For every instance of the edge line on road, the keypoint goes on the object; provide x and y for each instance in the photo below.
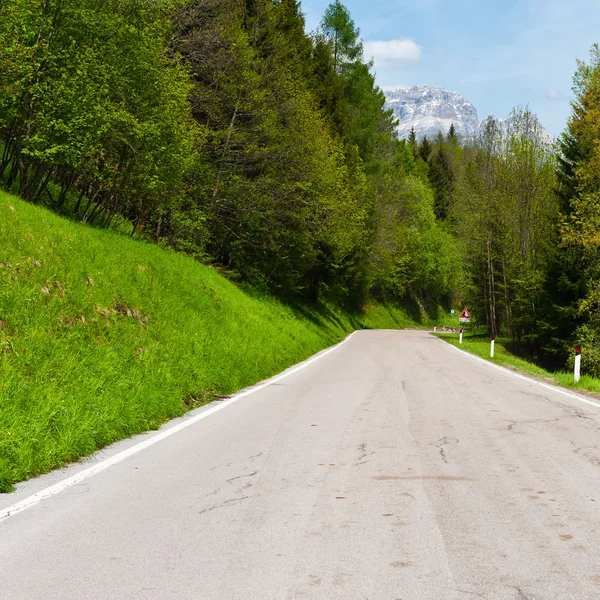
(59, 487)
(554, 388)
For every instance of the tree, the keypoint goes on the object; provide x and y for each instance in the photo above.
(452, 137)
(579, 185)
(442, 181)
(343, 36)
(425, 149)
(579, 172)
(284, 197)
(574, 145)
(527, 183)
(412, 142)
(221, 129)
(94, 109)
(507, 220)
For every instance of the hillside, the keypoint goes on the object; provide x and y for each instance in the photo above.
(102, 336)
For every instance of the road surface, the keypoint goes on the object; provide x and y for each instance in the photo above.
(393, 468)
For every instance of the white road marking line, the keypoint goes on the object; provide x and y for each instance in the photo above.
(121, 456)
(554, 388)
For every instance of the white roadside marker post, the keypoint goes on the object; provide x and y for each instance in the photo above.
(577, 364)
(460, 339)
(492, 346)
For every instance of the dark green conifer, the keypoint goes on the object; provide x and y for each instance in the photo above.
(442, 181)
(452, 137)
(412, 142)
(425, 149)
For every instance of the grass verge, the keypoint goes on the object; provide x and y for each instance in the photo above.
(480, 346)
(103, 337)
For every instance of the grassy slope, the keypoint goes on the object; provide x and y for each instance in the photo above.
(102, 336)
(480, 345)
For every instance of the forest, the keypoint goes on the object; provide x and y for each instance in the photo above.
(223, 130)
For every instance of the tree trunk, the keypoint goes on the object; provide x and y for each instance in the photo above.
(492, 290)
(226, 148)
(506, 302)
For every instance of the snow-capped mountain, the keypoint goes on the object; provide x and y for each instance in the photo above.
(430, 110)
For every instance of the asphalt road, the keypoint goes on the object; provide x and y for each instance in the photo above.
(393, 468)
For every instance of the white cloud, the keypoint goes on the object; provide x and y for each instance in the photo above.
(392, 52)
(553, 94)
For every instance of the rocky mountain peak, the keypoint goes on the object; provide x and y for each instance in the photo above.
(430, 110)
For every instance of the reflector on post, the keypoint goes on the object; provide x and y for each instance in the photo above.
(577, 364)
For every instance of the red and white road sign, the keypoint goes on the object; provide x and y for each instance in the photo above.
(465, 316)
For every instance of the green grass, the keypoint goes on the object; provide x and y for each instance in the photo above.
(406, 314)
(480, 345)
(103, 336)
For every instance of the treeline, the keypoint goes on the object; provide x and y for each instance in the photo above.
(220, 128)
(525, 211)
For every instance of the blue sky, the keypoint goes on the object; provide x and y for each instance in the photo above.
(498, 55)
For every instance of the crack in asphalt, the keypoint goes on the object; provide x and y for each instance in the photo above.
(522, 594)
(225, 503)
(242, 476)
(444, 442)
(362, 448)
(571, 410)
(587, 453)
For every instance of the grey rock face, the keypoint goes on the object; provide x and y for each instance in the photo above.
(431, 110)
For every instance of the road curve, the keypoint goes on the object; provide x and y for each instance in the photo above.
(394, 468)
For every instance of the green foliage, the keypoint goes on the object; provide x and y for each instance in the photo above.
(343, 36)
(507, 218)
(452, 137)
(284, 200)
(572, 309)
(412, 143)
(424, 151)
(412, 253)
(221, 129)
(91, 102)
(442, 179)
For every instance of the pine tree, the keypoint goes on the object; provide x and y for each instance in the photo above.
(425, 149)
(328, 88)
(343, 36)
(575, 146)
(452, 137)
(412, 142)
(442, 181)
(579, 168)
(579, 187)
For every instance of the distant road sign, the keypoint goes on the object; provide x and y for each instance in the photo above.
(465, 316)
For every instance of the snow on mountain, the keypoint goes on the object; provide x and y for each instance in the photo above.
(430, 110)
